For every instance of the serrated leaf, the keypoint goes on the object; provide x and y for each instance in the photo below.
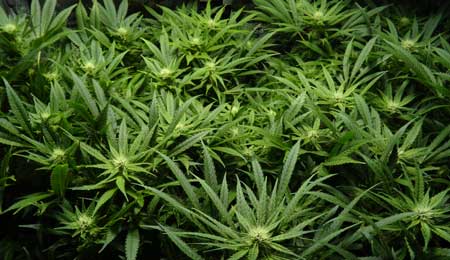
(28, 201)
(104, 198)
(177, 117)
(324, 241)
(59, 178)
(188, 143)
(253, 253)
(259, 177)
(184, 182)
(9, 141)
(362, 57)
(95, 153)
(123, 138)
(185, 248)
(426, 233)
(238, 255)
(18, 108)
(132, 244)
(445, 234)
(217, 202)
(209, 169)
(47, 14)
(120, 182)
(110, 236)
(6, 125)
(423, 73)
(340, 160)
(85, 94)
(412, 135)
(288, 169)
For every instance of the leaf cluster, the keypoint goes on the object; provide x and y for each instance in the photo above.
(295, 130)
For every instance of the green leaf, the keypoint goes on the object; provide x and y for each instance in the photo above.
(362, 57)
(230, 151)
(59, 179)
(6, 125)
(363, 109)
(184, 182)
(123, 138)
(345, 62)
(253, 253)
(423, 73)
(243, 208)
(292, 206)
(110, 236)
(93, 152)
(378, 225)
(324, 241)
(173, 202)
(238, 255)
(27, 201)
(209, 169)
(153, 114)
(217, 202)
(36, 16)
(259, 177)
(8, 141)
(185, 248)
(441, 252)
(120, 182)
(47, 14)
(340, 160)
(443, 233)
(18, 109)
(224, 191)
(177, 117)
(412, 135)
(188, 143)
(288, 169)
(81, 16)
(132, 244)
(426, 233)
(85, 94)
(104, 198)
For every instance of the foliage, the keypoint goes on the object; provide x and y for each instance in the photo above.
(295, 129)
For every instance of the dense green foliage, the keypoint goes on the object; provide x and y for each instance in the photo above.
(299, 129)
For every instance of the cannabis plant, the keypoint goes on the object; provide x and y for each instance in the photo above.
(294, 129)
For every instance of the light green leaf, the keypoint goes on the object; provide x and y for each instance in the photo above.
(18, 108)
(224, 213)
(85, 94)
(59, 178)
(120, 182)
(188, 143)
(132, 244)
(209, 169)
(95, 153)
(184, 182)
(340, 160)
(362, 57)
(259, 177)
(185, 248)
(123, 138)
(288, 169)
(104, 198)
(36, 16)
(47, 14)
